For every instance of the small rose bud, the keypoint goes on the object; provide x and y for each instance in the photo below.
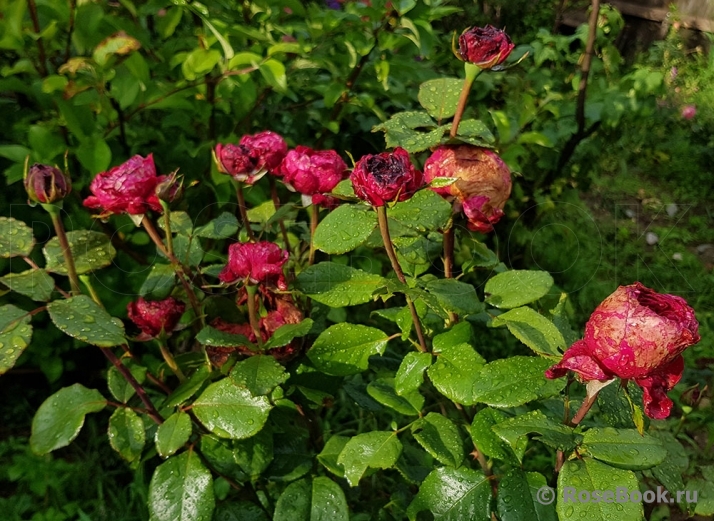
(155, 316)
(46, 184)
(485, 47)
(259, 263)
(689, 111)
(386, 177)
(635, 334)
(127, 188)
(312, 172)
(171, 188)
(252, 158)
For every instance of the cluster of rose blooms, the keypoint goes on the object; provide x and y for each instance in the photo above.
(635, 334)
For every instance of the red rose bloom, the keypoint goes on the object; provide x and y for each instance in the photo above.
(252, 157)
(312, 172)
(259, 262)
(129, 187)
(46, 184)
(485, 47)
(153, 316)
(638, 334)
(386, 177)
(483, 182)
(267, 148)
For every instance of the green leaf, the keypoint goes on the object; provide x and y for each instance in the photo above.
(260, 374)
(188, 388)
(323, 500)
(120, 43)
(222, 227)
(453, 495)
(173, 434)
(457, 365)
(399, 131)
(624, 448)
(254, 454)
(424, 211)
(382, 390)
(211, 336)
(285, 334)
(344, 349)
(489, 443)
(188, 250)
(91, 251)
(273, 73)
(514, 381)
(16, 238)
(262, 213)
(94, 153)
(345, 228)
(80, 317)
(330, 452)
(180, 223)
(410, 374)
(337, 285)
(475, 132)
(588, 475)
(520, 497)
(440, 96)
(552, 433)
(15, 335)
(126, 433)
(440, 437)
(118, 386)
(512, 289)
(181, 489)
(159, 283)
(231, 411)
(376, 449)
(671, 470)
(36, 284)
(220, 456)
(534, 330)
(200, 62)
(61, 416)
(455, 296)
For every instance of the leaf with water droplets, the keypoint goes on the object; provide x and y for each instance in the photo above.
(117, 384)
(285, 334)
(15, 335)
(321, 500)
(173, 434)
(330, 452)
(440, 96)
(188, 250)
(400, 131)
(440, 437)
(671, 470)
(624, 448)
(534, 330)
(211, 336)
(61, 416)
(231, 411)
(36, 284)
(337, 285)
(515, 288)
(457, 364)
(91, 251)
(453, 495)
(254, 454)
(15, 238)
(376, 449)
(260, 374)
(410, 374)
(475, 132)
(455, 296)
(514, 430)
(126, 433)
(222, 227)
(489, 443)
(159, 282)
(424, 211)
(80, 317)
(344, 349)
(382, 390)
(345, 228)
(519, 499)
(181, 222)
(181, 489)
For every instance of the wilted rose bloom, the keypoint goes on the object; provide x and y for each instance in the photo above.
(153, 316)
(483, 182)
(386, 177)
(252, 157)
(129, 187)
(635, 334)
(689, 111)
(312, 172)
(46, 184)
(267, 148)
(485, 47)
(258, 262)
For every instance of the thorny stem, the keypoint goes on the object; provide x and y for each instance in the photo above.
(54, 212)
(384, 229)
(314, 218)
(253, 313)
(150, 409)
(276, 203)
(244, 211)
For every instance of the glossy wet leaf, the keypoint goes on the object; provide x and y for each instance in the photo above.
(410, 374)
(80, 317)
(319, 500)
(453, 495)
(222, 227)
(671, 470)
(231, 411)
(126, 433)
(382, 390)
(117, 384)
(61, 416)
(514, 381)
(188, 388)
(188, 250)
(400, 131)
(15, 335)
(36, 284)
(15, 238)
(330, 452)
(91, 251)
(519, 499)
(512, 289)
(475, 132)
(376, 449)
(181, 489)
(624, 448)
(455, 370)
(440, 437)
(344, 349)
(180, 222)
(534, 330)
(424, 211)
(552, 433)
(260, 374)
(489, 443)
(345, 228)
(338, 285)
(173, 434)
(285, 334)
(440, 96)
(455, 296)
(211, 336)
(159, 282)
(254, 454)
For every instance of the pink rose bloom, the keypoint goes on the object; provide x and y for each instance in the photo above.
(312, 172)
(155, 316)
(689, 111)
(635, 334)
(485, 47)
(259, 263)
(386, 177)
(255, 155)
(129, 187)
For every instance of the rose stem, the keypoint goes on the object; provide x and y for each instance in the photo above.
(167, 228)
(471, 72)
(54, 212)
(384, 229)
(276, 203)
(151, 410)
(243, 211)
(582, 411)
(314, 218)
(449, 263)
(169, 359)
(253, 313)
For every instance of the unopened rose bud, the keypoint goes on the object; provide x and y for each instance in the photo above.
(386, 178)
(155, 316)
(171, 188)
(46, 184)
(252, 158)
(485, 47)
(256, 263)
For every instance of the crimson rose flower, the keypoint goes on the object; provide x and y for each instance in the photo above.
(386, 177)
(129, 187)
(259, 262)
(252, 157)
(154, 316)
(46, 184)
(483, 182)
(312, 172)
(635, 334)
(485, 47)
